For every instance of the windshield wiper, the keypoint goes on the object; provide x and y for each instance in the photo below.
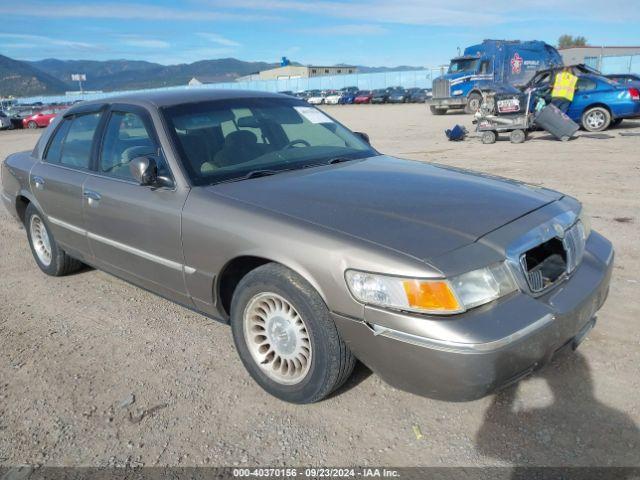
(253, 174)
(335, 160)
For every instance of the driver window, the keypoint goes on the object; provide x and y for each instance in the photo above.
(126, 137)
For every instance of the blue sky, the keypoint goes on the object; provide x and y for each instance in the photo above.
(363, 32)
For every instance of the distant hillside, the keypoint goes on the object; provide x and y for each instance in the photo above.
(129, 74)
(21, 79)
(51, 76)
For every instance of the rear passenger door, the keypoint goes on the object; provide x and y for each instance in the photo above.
(57, 180)
(134, 231)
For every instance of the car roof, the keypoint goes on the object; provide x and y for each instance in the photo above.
(168, 98)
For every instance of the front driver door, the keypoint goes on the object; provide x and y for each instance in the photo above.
(133, 230)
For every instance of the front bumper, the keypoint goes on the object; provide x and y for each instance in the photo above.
(454, 102)
(501, 342)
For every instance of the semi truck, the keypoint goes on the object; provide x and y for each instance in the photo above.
(492, 65)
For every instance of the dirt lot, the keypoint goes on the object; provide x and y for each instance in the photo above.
(73, 350)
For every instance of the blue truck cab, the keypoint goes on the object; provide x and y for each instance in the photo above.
(491, 65)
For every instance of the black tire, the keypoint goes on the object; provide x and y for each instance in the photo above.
(60, 263)
(517, 136)
(489, 137)
(32, 125)
(437, 110)
(473, 103)
(331, 360)
(596, 119)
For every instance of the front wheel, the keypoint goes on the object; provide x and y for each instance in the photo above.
(32, 124)
(285, 336)
(51, 259)
(437, 110)
(473, 103)
(596, 119)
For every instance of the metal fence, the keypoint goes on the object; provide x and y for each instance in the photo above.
(615, 64)
(364, 81)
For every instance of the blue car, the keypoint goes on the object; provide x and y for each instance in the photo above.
(598, 102)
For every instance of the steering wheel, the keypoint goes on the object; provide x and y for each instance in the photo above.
(295, 142)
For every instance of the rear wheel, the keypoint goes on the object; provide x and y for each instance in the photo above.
(517, 136)
(51, 259)
(285, 336)
(32, 124)
(437, 110)
(596, 119)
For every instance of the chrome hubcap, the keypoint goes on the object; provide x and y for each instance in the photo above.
(596, 119)
(277, 338)
(40, 240)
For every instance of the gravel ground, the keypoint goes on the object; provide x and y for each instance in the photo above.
(96, 372)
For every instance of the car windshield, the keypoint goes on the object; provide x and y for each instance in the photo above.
(463, 65)
(226, 140)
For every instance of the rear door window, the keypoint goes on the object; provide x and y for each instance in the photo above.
(76, 147)
(55, 146)
(585, 84)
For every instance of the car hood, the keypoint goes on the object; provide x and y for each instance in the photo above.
(412, 207)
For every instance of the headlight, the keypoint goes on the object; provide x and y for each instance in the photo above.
(438, 296)
(586, 222)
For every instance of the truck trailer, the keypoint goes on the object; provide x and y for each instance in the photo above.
(491, 65)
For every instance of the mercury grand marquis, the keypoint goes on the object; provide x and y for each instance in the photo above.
(263, 212)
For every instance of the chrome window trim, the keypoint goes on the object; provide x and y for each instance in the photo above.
(124, 247)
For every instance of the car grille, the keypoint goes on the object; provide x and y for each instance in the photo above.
(441, 88)
(549, 262)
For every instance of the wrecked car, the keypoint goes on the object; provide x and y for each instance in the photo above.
(261, 211)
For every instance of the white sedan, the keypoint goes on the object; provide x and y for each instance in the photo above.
(316, 99)
(333, 99)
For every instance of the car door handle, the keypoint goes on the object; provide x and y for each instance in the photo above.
(92, 196)
(38, 182)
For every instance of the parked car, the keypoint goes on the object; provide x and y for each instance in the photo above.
(39, 119)
(332, 97)
(630, 79)
(347, 97)
(5, 121)
(417, 95)
(316, 97)
(363, 96)
(598, 101)
(380, 96)
(398, 95)
(316, 248)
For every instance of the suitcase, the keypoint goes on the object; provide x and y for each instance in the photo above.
(556, 122)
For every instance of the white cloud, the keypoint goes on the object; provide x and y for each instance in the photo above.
(219, 39)
(41, 39)
(124, 11)
(346, 30)
(143, 42)
(439, 13)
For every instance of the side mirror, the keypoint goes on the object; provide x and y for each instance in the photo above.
(144, 170)
(363, 136)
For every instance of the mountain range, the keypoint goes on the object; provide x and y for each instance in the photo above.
(53, 76)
